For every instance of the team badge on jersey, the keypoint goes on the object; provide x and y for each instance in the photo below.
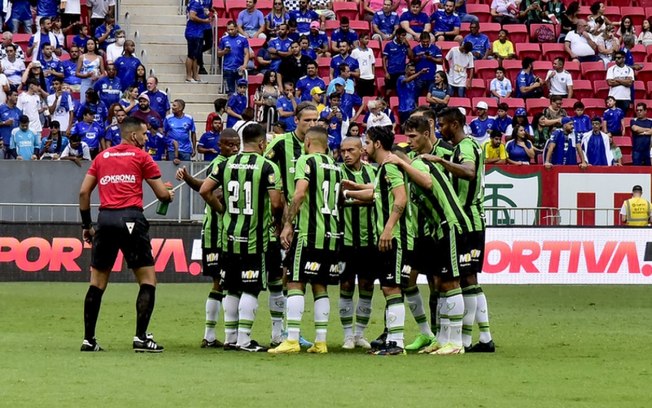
(272, 179)
(307, 169)
(215, 171)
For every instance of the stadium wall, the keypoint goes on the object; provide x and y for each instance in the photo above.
(56, 253)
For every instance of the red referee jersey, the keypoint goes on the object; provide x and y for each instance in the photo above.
(120, 171)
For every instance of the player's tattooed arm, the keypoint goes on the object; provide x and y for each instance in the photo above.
(398, 209)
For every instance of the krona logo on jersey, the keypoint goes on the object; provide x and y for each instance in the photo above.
(118, 179)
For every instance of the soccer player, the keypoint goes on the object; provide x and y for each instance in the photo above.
(121, 226)
(433, 193)
(467, 171)
(358, 250)
(394, 232)
(316, 203)
(284, 151)
(211, 235)
(252, 196)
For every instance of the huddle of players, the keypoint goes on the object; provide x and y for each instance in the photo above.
(417, 214)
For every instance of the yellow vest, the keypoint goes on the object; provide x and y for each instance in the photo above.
(638, 212)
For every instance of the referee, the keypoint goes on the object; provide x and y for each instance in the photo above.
(120, 172)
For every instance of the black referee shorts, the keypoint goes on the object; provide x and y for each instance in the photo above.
(126, 230)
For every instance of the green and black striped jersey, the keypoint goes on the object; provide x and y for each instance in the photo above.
(358, 220)
(388, 177)
(245, 180)
(212, 226)
(471, 192)
(285, 150)
(318, 222)
(444, 150)
(439, 204)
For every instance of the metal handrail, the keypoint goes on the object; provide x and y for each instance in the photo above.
(143, 57)
(41, 208)
(127, 23)
(549, 216)
(271, 119)
(216, 38)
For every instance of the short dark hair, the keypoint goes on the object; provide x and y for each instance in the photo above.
(453, 115)
(619, 53)
(578, 105)
(527, 62)
(418, 123)
(304, 106)
(130, 124)
(23, 119)
(642, 105)
(503, 106)
(253, 133)
(496, 133)
(344, 20)
(382, 135)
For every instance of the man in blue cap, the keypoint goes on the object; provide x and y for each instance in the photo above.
(561, 149)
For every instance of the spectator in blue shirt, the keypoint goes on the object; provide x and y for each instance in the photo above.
(51, 67)
(445, 23)
(334, 117)
(519, 150)
(344, 57)
(613, 116)
(414, 21)
(276, 17)
(309, 81)
(303, 17)
(89, 131)
(527, 84)
(9, 118)
(641, 134)
(251, 21)
(481, 45)
(286, 104)
(344, 33)
(24, 144)
(112, 136)
(80, 39)
(194, 34)
(21, 13)
(279, 47)
(439, 93)
(109, 87)
(483, 124)
(581, 121)
(236, 104)
(94, 105)
(304, 44)
(234, 51)
(385, 22)
(105, 33)
(394, 55)
(460, 10)
(180, 126)
(158, 100)
(318, 40)
(562, 147)
(406, 89)
(42, 37)
(502, 120)
(69, 66)
(426, 55)
(208, 144)
(127, 65)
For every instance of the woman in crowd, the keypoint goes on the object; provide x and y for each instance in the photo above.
(519, 150)
(129, 100)
(438, 94)
(266, 96)
(90, 67)
(645, 37)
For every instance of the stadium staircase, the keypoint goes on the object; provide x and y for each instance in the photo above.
(158, 29)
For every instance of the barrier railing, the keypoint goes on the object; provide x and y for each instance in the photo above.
(38, 212)
(551, 216)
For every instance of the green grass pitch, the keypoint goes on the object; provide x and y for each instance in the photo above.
(558, 346)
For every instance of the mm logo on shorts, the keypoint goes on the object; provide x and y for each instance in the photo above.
(212, 257)
(312, 266)
(475, 253)
(335, 269)
(250, 275)
(465, 258)
(407, 269)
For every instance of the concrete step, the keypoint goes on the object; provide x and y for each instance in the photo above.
(180, 78)
(160, 49)
(125, 4)
(167, 68)
(144, 9)
(195, 97)
(169, 38)
(163, 20)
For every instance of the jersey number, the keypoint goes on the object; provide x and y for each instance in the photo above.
(234, 191)
(325, 187)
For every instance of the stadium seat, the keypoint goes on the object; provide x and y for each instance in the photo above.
(513, 103)
(256, 44)
(234, 7)
(600, 89)
(634, 13)
(479, 88)
(380, 85)
(584, 11)
(379, 69)
(649, 89)
(255, 81)
(360, 26)
(644, 74)
(422, 101)
(376, 48)
(527, 50)
(481, 11)
(621, 3)
(639, 90)
(485, 69)
(219, 6)
(594, 106)
(534, 27)
(639, 52)
(491, 30)
(512, 68)
(624, 142)
(551, 51)
(573, 68)
(465, 28)
(536, 105)
(613, 12)
(22, 39)
(330, 26)
(582, 88)
(567, 104)
(648, 51)
(517, 32)
(457, 102)
(348, 9)
(541, 68)
(648, 7)
(324, 66)
(446, 46)
(265, 6)
(593, 71)
(492, 102)
(400, 139)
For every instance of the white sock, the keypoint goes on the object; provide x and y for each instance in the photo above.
(362, 313)
(440, 304)
(246, 316)
(213, 306)
(395, 319)
(231, 303)
(470, 306)
(415, 301)
(482, 316)
(277, 306)
(455, 310)
(295, 307)
(346, 313)
(322, 312)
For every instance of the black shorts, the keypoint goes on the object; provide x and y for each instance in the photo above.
(473, 253)
(449, 261)
(394, 267)
(360, 262)
(195, 46)
(210, 258)
(424, 255)
(274, 262)
(244, 273)
(314, 266)
(126, 230)
(391, 82)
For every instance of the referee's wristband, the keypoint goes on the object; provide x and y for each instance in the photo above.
(86, 218)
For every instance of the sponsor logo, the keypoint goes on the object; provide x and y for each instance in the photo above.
(335, 269)
(238, 239)
(118, 179)
(312, 266)
(406, 270)
(465, 258)
(242, 166)
(213, 257)
(250, 275)
(329, 166)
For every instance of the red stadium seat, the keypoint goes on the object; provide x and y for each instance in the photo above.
(541, 68)
(593, 71)
(644, 74)
(22, 40)
(465, 28)
(376, 48)
(567, 104)
(639, 90)
(648, 51)
(360, 26)
(639, 52)
(400, 138)
(584, 11)
(649, 89)
(491, 102)
(613, 12)
(234, 7)
(479, 88)
(481, 11)
(491, 30)
(627, 159)
(323, 66)
(600, 89)
(527, 50)
(648, 7)
(348, 9)
(220, 8)
(69, 39)
(512, 68)
(255, 81)
(456, 102)
(534, 27)
(535, 106)
(621, 3)
(380, 85)
(582, 88)
(517, 32)
(446, 46)
(513, 103)
(635, 13)
(330, 26)
(573, 68)
(422, 101)
(256, 44)
(379, 69)
(265, 6)
(551, 51)
(485, 69)
(594, 106)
